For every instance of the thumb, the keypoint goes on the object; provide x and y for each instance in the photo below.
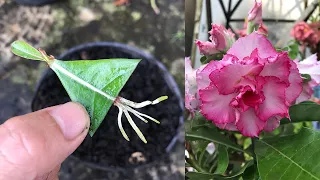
(34, 144)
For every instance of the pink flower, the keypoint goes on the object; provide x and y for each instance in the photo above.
(309, 66)
(207, 48)
(305, 34)
(191, 99)
(251, 88)
(255, 14)
(221, 39)
(191, 91)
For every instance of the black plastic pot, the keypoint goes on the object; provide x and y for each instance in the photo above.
(35, 2)
(107, 151)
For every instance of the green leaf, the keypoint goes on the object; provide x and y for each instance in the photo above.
(241, 171)
(305, 111)
(223, 160)
(289, 157)
(25, 50)
(205, 133)
(107, 75)
(204, 60)
(306, 78)
(202, 176)
(251, 173)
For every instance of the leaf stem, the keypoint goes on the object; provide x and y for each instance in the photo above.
(193, 162)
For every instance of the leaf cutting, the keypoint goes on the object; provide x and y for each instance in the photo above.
(95, 84)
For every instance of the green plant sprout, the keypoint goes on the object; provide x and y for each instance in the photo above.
(94, 84)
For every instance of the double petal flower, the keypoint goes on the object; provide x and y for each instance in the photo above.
(251, 88)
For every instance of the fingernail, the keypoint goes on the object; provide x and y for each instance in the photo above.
(72, 119)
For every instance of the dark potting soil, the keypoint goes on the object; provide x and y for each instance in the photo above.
(107, 147)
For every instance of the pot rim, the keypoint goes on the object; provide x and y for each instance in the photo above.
(128, 49)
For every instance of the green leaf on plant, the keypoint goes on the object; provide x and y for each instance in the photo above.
(25, 50)
(289, 157)
(107, 75)
(306, 78)
(202, 176)
(223, 160)
(293, 49)
(304, 111)
(204, 60)
(205, 133)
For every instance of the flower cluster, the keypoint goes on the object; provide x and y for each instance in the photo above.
(305, 34)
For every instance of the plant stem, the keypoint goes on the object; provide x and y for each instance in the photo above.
(254, 155)
(250, 27)
(193, 162)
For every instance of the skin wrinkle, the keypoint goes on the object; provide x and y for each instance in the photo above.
(4, 157)
(16, 136)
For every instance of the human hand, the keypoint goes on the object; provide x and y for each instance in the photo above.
(34, 145)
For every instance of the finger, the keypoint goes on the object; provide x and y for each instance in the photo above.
(52, 175)
(33, 144)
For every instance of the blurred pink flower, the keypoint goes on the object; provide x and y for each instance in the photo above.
(191, 100)
(251, 88)
(255, 14)
(304, 34)
(221, 39)
(191, 91)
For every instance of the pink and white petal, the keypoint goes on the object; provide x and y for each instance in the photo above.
(310, 60)
(203, 73)
(274, 103)
(228, 77)
(228, 59)
(249, 124)
(216, 107)
(279, 68)
(305, 94)
(227, 126)
(188, 68)
(312, 69)
(272, 123)
(207, 48)
(245, 45)
(295, 87)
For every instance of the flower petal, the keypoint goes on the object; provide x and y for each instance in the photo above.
(279, 68)
(203, 80)
(306, 93)
(245, 45)
(272, 123)
(216, 107)
(310, 66)
(295, 87)
(228, 77)
(227, 126)
(207, 48)
(274, 103)
(249, 123)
